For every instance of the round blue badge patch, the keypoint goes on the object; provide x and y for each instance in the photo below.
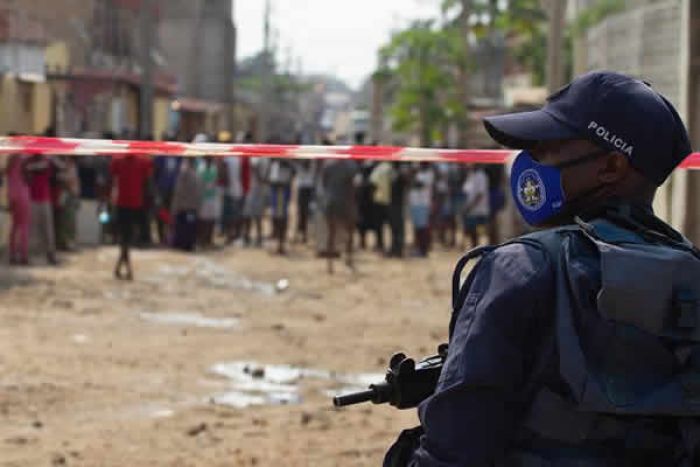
(531, 190)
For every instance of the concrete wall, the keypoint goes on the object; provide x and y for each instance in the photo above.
(176, 36)
(644, 41)
(216, 55)
(196, 38)
(648, 41)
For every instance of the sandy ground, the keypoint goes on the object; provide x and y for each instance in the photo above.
(88, 378)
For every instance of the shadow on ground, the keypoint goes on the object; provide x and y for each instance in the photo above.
(11, 277)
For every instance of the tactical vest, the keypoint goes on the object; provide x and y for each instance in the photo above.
(649, 372)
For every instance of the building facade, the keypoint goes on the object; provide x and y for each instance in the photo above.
(198, 42)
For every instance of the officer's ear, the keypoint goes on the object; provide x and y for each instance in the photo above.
(614, 167)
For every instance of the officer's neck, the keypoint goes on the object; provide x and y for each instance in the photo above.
(626, 206)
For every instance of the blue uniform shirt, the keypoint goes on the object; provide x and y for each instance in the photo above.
(497, 340)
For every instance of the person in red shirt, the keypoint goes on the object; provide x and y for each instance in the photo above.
(129, 175)
(39, 170)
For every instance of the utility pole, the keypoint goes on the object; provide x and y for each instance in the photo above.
(264, 117)
(377, 115)
(230, 64)
(555, 45)
(463, 72)
(494, 76)
(147, 27)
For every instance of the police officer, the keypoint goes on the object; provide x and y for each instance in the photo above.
(576, 345)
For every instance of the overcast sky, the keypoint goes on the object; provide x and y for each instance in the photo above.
(340, 37)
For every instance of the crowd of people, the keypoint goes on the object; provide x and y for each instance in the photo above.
(193, 204)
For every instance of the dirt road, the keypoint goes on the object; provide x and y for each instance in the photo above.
(171, 370)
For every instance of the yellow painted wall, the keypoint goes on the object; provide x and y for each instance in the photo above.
(41, 112)
(24, 107)
(161, 116)
(57, 56)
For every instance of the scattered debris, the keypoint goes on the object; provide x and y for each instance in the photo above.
(58, 459)
(257, 373)
(306, 418)
(282, 285)
(197, 430)
(319, 317)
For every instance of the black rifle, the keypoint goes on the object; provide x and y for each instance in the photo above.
(406, 385)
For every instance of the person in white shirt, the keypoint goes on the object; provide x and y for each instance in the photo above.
(232, 214)
(420, 200)
(476, 208)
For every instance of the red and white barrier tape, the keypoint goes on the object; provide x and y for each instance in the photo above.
(99, 147)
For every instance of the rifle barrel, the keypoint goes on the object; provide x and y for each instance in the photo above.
(354, 398)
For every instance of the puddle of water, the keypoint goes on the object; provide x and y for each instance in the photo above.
(190, 319)
(253, 384)
(239, 400)
(219, 277)
(213, 275)
(242, 400)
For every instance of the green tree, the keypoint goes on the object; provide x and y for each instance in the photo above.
(596, 13)
(427, 66)
(461, 28)
(420, 63)
(524, 22)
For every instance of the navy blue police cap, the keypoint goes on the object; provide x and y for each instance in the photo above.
(612, 110)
